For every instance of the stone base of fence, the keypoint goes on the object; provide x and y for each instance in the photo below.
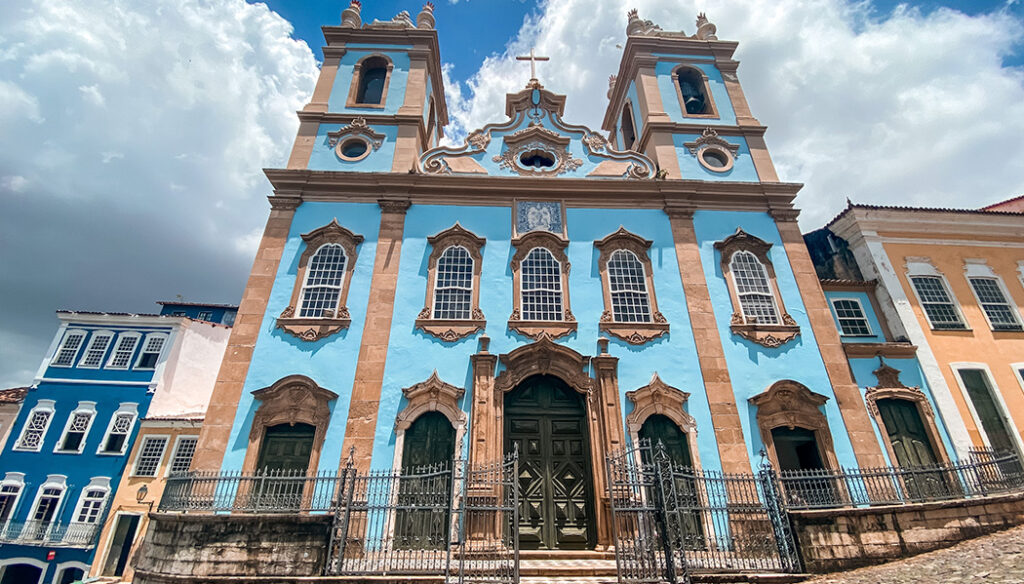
(197, 548)
(831, 540)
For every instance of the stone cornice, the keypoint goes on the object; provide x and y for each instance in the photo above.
(870, 350)
(928, 224)
(313, 185)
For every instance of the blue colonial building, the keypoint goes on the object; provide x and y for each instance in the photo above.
(69, 444)
(219, 313)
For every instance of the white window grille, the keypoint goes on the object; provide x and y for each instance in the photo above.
(753, 289)
(181, 461)
(542, 286)
(1001, 314)
(120, 427)
(91, 505)
(852, 320)
(628, 284)
(150, 455)
(10, 492)
(453, 288)
(936, 302)
(38, 422)
(123, 351)
(79, 422)
(68, 351)
(324, 278)
(96, 350)
(151, 351)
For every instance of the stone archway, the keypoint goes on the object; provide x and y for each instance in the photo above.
(600, 390)
(660, 398)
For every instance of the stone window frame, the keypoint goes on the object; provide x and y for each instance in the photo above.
(452, 330)
(634, 333)
(294, 399)
(706, 87)
(357, 77)
(922, 266)
(316, 328)
(978, 268)
(83, 407)
(534, 329)
(790, 404)
(890, 387)
(430, 395)
(658, 397)
(766, 335)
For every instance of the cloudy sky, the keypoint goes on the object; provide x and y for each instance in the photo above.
(133, 132)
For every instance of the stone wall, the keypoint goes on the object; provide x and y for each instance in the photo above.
(842, 539)
(206, 548)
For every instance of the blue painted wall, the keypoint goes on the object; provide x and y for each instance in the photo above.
(219, 314)
(356, 52)
(690, 168)
(324, 157)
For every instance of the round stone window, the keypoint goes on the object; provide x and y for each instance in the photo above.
(715, 159)
(537, 159)
(353, 148)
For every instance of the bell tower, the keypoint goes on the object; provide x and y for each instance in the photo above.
(379, 101)
(677, 99)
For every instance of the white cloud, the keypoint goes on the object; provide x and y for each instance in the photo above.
(186, 101)
(902, 108)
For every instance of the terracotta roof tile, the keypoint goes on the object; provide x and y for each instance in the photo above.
(14, 395)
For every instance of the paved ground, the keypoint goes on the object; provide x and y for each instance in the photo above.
(992, 559)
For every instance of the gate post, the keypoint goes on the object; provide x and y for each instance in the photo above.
(779, 517)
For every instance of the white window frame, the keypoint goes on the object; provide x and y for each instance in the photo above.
(95, 484)
(918, 266)
(138, 454)
(159, 356)
(979, 269)
(1018, 373)
(57, 481)
(110, 361)
(997, 398)
(123, 408)
(17, 479)
(43, 405)
(61, 567)
(174, 452)
(437, 277)
(768, 280)
(206, 315)
(84, 407)
(301, 303)
(643, 282)
(68, 334)
(559, 279)
(96, 336)
(835, 313)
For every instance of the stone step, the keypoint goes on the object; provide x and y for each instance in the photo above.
(565, 555)
(565, 567)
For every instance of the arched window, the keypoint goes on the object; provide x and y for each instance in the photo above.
(693, 92)
(628, 128)
(371, 79)
(541, 286)
(628, 286)
(324, 277)
(753, 289)
(453, 289)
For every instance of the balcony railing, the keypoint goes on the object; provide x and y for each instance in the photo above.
(50, 533)
(274, 491)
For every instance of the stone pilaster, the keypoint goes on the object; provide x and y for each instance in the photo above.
(611, 438)
(220, 414)
(369, 378)
(485, 444)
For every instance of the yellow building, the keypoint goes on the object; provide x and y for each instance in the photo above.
(164, 445)
(953, 280)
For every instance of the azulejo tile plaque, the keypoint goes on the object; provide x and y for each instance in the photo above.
(539, 216)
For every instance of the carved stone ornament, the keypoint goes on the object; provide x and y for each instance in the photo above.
(358, 127)
(451, 330)
(431, 395)
(710, 141)
(769, 335)
(789, 404)
(537, 138)
(634, 333)
(295, 399)
(544, 357)
(657, 397)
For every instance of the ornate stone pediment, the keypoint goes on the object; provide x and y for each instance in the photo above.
(657, 397)
(544, 357)
(451, 330)
(711, 138)
(431, 395)
(358, 127)
(295, 399)
(790, 404)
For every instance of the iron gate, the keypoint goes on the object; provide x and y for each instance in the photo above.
(671, 520)
(444, 520)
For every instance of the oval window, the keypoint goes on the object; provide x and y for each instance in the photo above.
(538, 159)
(716, 159)
(353, 149)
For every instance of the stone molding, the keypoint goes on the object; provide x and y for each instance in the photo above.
(544, 357)
(357, 76)
(358, 127)
(710, 141)
(765, 334)
(333, 321)
(431, 395)
(295, 399)
(634, 333)
(789, 404)
(451, 330)
(657, 397)
(535, 329)
(537, 138)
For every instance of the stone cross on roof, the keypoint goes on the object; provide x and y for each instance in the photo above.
(533, 63)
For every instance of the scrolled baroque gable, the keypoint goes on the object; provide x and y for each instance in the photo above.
(535, 329)
(544, 357)
(451, 330)
(295, 399)
(657, 397)
(431, 395)
(769, 335)
(333, 321)
(634, 333)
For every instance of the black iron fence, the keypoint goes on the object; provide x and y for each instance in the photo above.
(271, 491)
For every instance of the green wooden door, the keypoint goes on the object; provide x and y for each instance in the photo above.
(429, 440)
(546, 420)
(286, 448)
(685, 503)
(425, 489)
(906, 433)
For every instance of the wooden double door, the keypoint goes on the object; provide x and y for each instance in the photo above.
(546, 420)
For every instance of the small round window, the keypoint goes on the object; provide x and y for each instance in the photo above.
(715, 159)
(353, 149)
(537, 159)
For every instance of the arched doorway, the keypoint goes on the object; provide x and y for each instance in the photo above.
(70, 575)
(906, 432)
(662, 432)
(430, 440)
(21, 574)
(427, 454)
(658, 428)
(546, 420)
